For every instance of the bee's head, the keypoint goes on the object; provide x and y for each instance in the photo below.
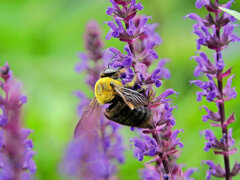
(112, 73)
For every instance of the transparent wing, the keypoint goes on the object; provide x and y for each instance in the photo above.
(89, 119)
(131, 98)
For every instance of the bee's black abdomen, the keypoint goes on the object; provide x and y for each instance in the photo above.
(120, 112)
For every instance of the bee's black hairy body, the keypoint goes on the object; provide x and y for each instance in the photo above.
(121, 113)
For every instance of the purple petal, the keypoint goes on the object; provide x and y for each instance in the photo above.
(194, 17)
(154, 54)
(127, 62)
(132, 128)
(220, 65)
(1, 139)
(200, 3)
(32, 166)
(199, 96)
(197, 72)
(207, 146)
(25, 133)
(119, 22)
(3, 120)
(127, 49)
(228, 4)
(139, 143)
(143, 21)
(175, 133)
(158, 83)
(172, 121)
(115, 34)
(152, 152)
(180, 144)
(112, 25)
(212, 95)
(29, 144)
(139, 6)
(109, 11)
(189, 172)
(133, 2)
(230, 138)
(25, 176)
(83, 64)
(23, 99)
(209, 135)
(228, 90)
(83, 56)
(140, 156)
(117, 64)
(108, 35)
(210, 164)
(167, 93)
(156, 74)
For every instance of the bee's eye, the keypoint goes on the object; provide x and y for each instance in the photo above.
(108, 72)
(102, 74)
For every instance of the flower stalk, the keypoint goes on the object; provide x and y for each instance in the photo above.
(221, 103)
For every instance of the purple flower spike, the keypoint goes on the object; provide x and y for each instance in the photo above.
(93, 45)
(97, 158)
(94, 152)
(16, 155)
(158, 141)
(215, 32)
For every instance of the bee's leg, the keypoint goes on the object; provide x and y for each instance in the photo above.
(121, 71)
(132, 83)
(142, 89)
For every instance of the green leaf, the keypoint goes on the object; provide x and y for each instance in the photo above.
(231, 12)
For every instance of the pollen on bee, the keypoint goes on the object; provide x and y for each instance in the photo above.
(104, 92)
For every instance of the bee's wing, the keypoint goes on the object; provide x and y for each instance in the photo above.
(131, 98)
(89, 119)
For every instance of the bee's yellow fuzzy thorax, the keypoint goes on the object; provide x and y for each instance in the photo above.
(104, 92)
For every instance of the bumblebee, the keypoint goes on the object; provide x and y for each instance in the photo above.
(127, 107)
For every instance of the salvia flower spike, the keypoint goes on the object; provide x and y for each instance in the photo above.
(215, 32)
(93, 157)
(16, 154)
(159, 142)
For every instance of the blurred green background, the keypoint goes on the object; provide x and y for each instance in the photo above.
(40, 40)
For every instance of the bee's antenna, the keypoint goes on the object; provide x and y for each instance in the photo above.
(112, 59)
